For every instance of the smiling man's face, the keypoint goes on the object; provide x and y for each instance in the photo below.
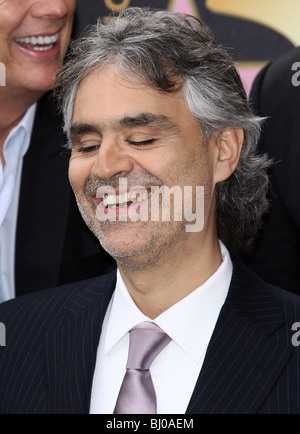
(122, 129)
(34, 37)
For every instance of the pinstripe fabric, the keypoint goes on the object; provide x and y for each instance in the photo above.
(251, 365)
(52, 338)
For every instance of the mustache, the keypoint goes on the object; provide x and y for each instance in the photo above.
(144, 180)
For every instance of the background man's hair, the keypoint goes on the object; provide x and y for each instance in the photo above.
(173, 52)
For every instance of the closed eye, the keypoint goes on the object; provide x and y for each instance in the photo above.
(88, 149)
(142, 143)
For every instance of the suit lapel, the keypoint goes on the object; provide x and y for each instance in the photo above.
(44, 183)
(247, 352)
(71, 348)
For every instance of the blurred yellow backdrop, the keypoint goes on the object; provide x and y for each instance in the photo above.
(280, 15)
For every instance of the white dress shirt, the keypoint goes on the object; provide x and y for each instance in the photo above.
(190, 324)
(15, 147)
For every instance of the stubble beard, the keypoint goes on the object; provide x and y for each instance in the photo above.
(161, 240)
(149, 254)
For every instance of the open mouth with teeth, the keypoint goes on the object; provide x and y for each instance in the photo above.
(38, 43)
(124, 200)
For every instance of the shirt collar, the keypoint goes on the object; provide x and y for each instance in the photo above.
(191, 320)
(124, 315)
(25, 124)
(28, 119)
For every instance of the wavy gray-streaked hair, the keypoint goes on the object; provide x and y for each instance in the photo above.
(172, 52)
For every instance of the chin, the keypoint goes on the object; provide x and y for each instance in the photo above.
(43, 85)
(120, 247)
(137, 253)
(42, 80)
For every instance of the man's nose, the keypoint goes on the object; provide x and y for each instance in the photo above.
(112, 160)
(51, 8)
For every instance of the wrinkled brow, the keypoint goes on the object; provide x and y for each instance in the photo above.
(140, 120)
(78, 130)
(147, 119)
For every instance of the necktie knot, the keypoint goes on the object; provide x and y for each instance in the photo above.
(147, 340)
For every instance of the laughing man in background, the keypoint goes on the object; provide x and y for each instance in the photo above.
(38, 214)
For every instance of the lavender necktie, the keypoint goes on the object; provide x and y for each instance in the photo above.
(137, 394)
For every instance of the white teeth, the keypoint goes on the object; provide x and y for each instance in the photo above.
(46, 41)
(44, 48)
(121, 200)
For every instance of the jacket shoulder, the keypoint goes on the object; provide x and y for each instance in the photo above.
(41, 310)
(248, 283)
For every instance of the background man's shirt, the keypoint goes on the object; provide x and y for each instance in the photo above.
(15, 148)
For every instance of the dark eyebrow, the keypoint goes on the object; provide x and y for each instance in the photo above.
(147, 119)
(78, 130)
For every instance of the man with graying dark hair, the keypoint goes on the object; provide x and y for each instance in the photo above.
(166, 175)
(190, 62)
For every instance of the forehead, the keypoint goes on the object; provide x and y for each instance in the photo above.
(109, 94)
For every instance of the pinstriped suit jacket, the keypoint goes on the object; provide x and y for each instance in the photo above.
(52, 336)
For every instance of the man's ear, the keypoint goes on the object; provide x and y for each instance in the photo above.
(228, 150)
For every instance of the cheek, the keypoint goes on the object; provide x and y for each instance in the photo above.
(161, 162)
(66, 35)
(78, 174)
(11, 18)
(4, 44)
(71, 5)
(157, 168)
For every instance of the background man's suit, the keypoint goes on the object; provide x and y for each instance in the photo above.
(276, 256)
(251, 365)
(53, 244)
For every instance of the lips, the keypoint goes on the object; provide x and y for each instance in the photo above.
(122, 205)
(38, 43)
(125, 200)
